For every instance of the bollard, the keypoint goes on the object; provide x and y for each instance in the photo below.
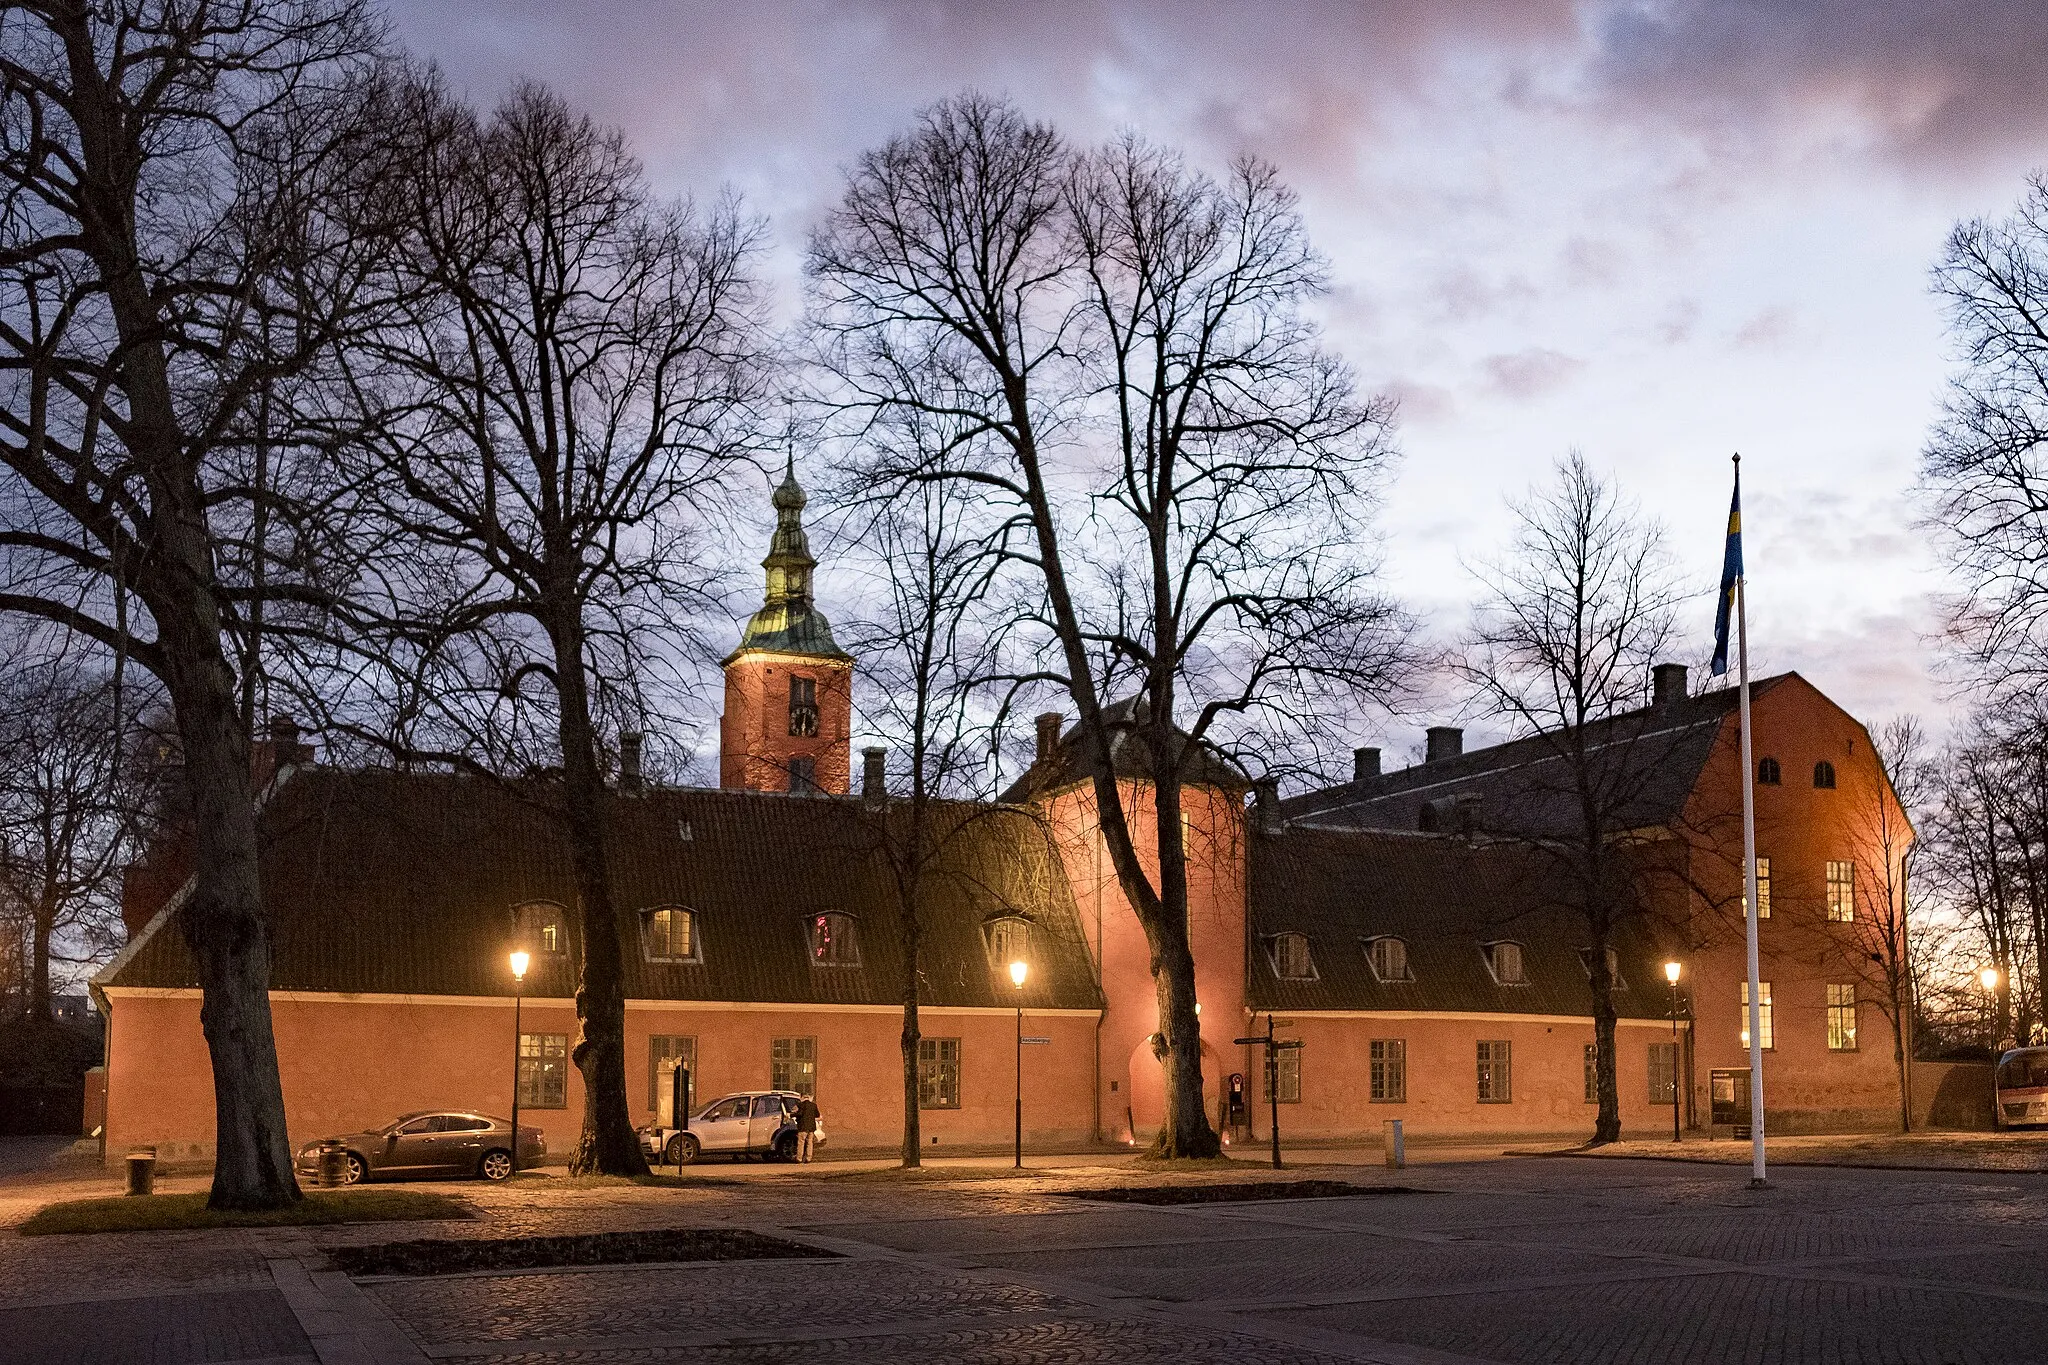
(333, 1165)
(142, 1171)
(1397, 1156)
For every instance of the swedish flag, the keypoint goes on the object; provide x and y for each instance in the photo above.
(1731, 569)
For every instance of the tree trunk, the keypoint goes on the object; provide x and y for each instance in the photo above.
(39, 950)
(608, 1145)
(913, 1129)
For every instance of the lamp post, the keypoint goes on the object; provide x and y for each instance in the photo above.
(1671, 970)
(519, 961)
(1990, 976)
(1018, 971)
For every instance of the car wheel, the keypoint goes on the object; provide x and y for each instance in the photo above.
(785, 1147)
(682, 1150)
(353, 1170)
(496, 1165)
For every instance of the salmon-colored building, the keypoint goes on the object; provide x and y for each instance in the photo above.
(1405, 928)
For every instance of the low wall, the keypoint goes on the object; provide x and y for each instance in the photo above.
(1953, 1095)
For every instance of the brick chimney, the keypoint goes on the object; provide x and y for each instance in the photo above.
(1048, 734)
(874, 785)
(1443, 741)
(630, 742)
(1266, 804)
(1667, 684)
(1365, 764)
(279, 749)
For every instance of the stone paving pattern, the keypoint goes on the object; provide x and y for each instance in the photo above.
(1530, 1260)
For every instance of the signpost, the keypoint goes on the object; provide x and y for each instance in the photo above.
(1274, 1047)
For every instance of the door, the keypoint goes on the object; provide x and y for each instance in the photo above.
(411, 1149)
(1729, 1091)
(722, 1127)
(769, 1116)
(461, 1143)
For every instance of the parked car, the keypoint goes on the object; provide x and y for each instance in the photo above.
(2022, 1088)
(432, 1143)
(750, 1123)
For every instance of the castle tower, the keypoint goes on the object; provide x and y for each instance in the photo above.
(788, 687)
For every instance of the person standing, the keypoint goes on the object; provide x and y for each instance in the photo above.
(806, 1128)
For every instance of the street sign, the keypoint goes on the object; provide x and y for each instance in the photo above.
(1029, 1041)
(1282, 1023)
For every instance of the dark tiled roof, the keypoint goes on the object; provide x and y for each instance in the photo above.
(1444, 897)
(1073, 760)
(1646, 764)
(404, 883)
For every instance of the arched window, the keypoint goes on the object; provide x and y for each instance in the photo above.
(1389, 958)
(1009, 940)
(670, 934)
(1824, 774)
(541, 927)
(1767, 772)
(1504, 960)
(833, 941)
(1291, 960)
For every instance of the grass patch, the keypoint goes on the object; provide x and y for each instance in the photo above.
(1242, 1192)
(457, 1255)
(184, 1212)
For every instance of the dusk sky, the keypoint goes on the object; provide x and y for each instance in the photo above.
(1658, 232)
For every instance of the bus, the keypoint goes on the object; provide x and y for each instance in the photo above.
(2023, 1087)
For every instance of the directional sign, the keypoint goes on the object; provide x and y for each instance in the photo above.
(1280, 1023)
(1029, 1041)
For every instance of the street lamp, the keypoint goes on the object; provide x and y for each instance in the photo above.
(519, 961)
(1671, 970)
(1989, 976)
(1018, 971)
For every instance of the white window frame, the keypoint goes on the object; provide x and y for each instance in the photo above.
(1372, 959)
(1492, 953)
(1274, 956)
(1841, 890)
(648, 919)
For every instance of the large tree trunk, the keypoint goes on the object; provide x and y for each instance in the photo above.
(608, 1145)
(39, 950)
(913, 1128)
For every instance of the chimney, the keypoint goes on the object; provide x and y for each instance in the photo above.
(278, 750)
(874, 787)
(629, 760)
(1365, 764)
(1443, 741)
(1266, 804)
(1667, 684)
(1048, 734)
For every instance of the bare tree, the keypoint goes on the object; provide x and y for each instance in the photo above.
(1879, 949)
(1975, 867)
(559, 401)
(1561, 649)
(1125, 307)
(182, 191)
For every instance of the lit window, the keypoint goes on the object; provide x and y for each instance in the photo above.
(803, 707)
(1842, 892)
(1495, 1073)
(1767, 1036)
(542, 927)
(1389, 1070)
(665, 1053)
(1291, 961)
(803, 775)
(1009, 940)
(543, 1070)
(1286, 1073)
(1763, 889)
(833, 942)
(938, 1073)
(1663, 1073)
(1824, 774)
(793, 1065)
(1505, 961)
(1842, 1016)
(1389, 958)
(1767, 774)
(671, 935)
(1614, 977)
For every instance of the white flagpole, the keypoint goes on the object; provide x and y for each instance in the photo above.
(1749, 901)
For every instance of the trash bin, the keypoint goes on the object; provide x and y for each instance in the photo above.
(333, 1165)
(142, 1171)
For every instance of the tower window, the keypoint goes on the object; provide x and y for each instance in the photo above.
(1767, 774)
(803, 707)
(1824, 775)
(803, 775)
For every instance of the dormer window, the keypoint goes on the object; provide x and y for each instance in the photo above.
(1824, 775)
(1504, 960)
(1767, 773)
(1613, 967)
(669, 933)
(1291, 960)
(1389, 958)
(803, 707)
(542, 927)
(1009, 940)
(833, 941)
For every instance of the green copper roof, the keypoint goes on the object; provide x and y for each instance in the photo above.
(788, 621)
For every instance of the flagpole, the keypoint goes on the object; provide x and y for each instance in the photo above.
(1757, 1179)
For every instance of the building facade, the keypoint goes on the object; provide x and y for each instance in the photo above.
(1407, 929)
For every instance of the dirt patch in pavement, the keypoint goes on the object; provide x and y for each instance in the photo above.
(456, 1256)
(1239, 1192)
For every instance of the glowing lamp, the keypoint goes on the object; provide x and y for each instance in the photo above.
(519, 961)
(1018, 971)
(1671, 972)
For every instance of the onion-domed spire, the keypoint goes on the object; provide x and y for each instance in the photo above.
(788, 622)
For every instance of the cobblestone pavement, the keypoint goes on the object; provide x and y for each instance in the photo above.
(1533, 1260)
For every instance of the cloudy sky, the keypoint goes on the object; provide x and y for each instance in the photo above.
(1658, 231)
